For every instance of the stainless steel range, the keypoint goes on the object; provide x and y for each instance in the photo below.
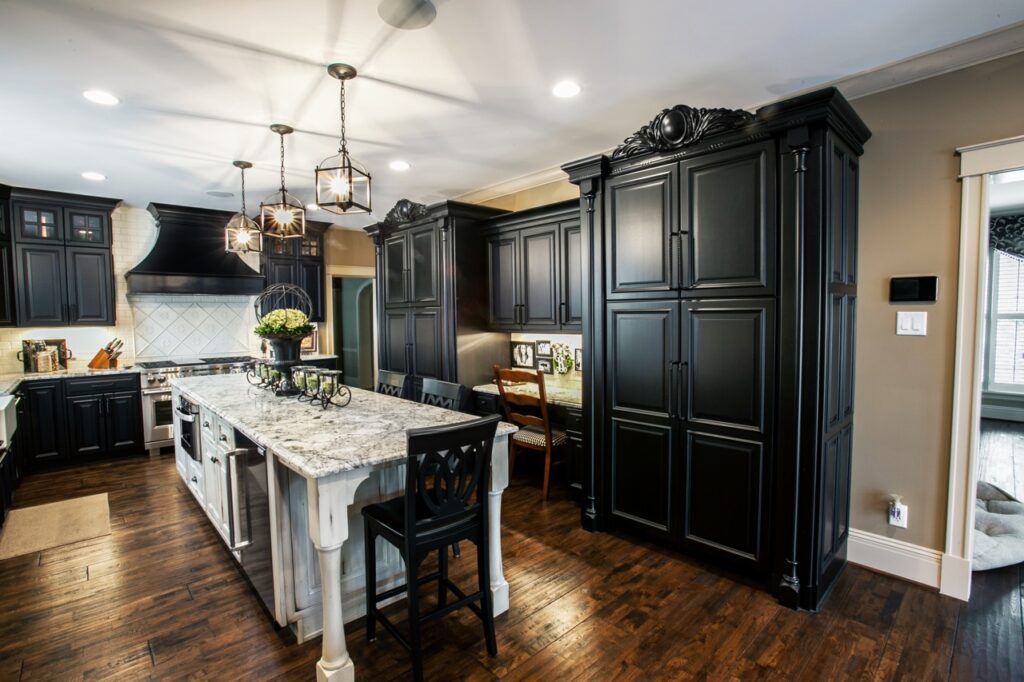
(157, 410)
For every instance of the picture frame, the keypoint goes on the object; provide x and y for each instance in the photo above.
(311, 343)
(545, 365)
(544, 349)
(524, 354)
(577, 358)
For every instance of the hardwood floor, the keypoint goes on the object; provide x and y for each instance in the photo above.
(160, 598)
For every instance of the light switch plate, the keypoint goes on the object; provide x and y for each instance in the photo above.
(911, 323)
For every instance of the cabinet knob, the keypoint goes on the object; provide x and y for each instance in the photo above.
(223, 437)
(214, 460)
(195, 480)
(206, 425)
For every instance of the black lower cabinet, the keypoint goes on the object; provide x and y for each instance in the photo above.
(123, 420)
(86, 437)
(412, 344)
(8, 480)
(42, 433)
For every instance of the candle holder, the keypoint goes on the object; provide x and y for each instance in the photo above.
(254, 374)
(332, 391)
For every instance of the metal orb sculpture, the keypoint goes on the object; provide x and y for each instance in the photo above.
(286, 346)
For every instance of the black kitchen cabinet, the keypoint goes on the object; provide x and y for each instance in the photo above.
(62, 264)
(104, 416)
(534, 261)
(298, 261)
(42, 295)
(86, 432)
(718, 329)
(411, 267)
(42, 434)
(431, 301)
(5, 223)
(90, 275)
(7, 301)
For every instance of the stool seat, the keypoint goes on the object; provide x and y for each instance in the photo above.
(534, 435)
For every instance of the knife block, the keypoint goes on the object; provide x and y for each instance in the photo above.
(102, 360)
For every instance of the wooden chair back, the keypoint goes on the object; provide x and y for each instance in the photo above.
(511, 400)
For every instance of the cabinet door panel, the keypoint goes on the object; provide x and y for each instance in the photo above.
(124, 423)
(41, 283)
(38, 222)
(572, 275)
(280, 271)
(424, 265)
(7, 314)
(724, 494)
(539, 280)
(86, 423)
(90, 286)
(311, 279)
(643, 347)
(728, 201)
(394, 270)
(501, 267)
(46, 421)
(426, 341)
(86, 227)
(642, 470)
(728, 351)
(396, 335)
(643, 226)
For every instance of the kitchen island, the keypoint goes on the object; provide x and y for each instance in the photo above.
(322, 467)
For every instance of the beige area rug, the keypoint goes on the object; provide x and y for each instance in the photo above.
(31, 529)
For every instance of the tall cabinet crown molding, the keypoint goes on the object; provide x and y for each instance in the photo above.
(721, 251)
(431, 304)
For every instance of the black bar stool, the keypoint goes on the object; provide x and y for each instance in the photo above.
(394, 384)
(446, 479)
(443, 394)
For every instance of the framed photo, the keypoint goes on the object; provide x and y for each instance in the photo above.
(544, 365)
(543, 349)
(311, 343)
(524, 354)
(578, 359)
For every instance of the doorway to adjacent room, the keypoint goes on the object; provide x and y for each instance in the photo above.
(352, 299)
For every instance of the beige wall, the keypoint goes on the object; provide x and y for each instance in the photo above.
(910, 222)
(348, 247)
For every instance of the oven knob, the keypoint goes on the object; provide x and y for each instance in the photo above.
(150, 379)
(162, 379)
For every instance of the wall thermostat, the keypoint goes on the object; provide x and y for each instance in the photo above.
(914, 289)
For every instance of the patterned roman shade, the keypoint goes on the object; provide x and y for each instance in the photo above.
(1006, 234)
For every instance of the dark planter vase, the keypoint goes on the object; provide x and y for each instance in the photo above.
(286, 355)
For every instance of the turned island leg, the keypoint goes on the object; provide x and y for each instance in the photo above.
(499, 481)
(329, 499)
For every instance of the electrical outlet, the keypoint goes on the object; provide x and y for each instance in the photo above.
(897, 512)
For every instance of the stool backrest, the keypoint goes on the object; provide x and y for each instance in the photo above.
(443, 394)
(445, 467)
(511, 398)
(394, 384)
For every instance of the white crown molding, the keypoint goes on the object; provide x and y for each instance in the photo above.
(978, 50)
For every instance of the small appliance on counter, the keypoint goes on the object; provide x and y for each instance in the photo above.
(44, 355)
(106, 357)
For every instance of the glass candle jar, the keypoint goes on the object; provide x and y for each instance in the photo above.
(330, 380)
(299, 377)
(265, 371)
(313, 381)
(275, 375)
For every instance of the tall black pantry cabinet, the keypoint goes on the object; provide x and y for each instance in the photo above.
(432, 293)
(718, 329)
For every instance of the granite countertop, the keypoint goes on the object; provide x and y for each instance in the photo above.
(10, 381)
(560, 391)
(314, 442)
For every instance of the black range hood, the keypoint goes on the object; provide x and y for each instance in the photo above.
(189, 257)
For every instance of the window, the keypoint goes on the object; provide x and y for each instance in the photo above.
(1005, 348)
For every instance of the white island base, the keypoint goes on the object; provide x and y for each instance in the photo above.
(330, 508)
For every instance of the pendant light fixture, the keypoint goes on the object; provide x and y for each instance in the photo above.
(282, 215)
(242, 233)
(342, 185)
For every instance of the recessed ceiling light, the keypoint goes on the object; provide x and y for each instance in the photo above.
(101, 97)
(93, 175)
(399, 165)
(566, 89)
(312, 207)
(220, 194)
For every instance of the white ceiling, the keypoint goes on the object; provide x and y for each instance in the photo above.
(466, 101)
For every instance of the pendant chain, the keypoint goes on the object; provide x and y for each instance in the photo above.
(283, 189)
(344, 144)
(243, 190)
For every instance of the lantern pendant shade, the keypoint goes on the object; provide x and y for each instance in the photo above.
(282, 216)
(342, 185)
(242, 233)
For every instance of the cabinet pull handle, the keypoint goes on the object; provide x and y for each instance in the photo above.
(673, 389)
(684, 375)
(563, 317)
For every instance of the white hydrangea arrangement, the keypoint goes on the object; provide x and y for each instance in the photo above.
(284, 322)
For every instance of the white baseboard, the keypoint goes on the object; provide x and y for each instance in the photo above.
(956, 577)
(895, 557)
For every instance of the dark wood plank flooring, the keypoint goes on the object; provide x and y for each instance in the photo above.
(160, 598)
